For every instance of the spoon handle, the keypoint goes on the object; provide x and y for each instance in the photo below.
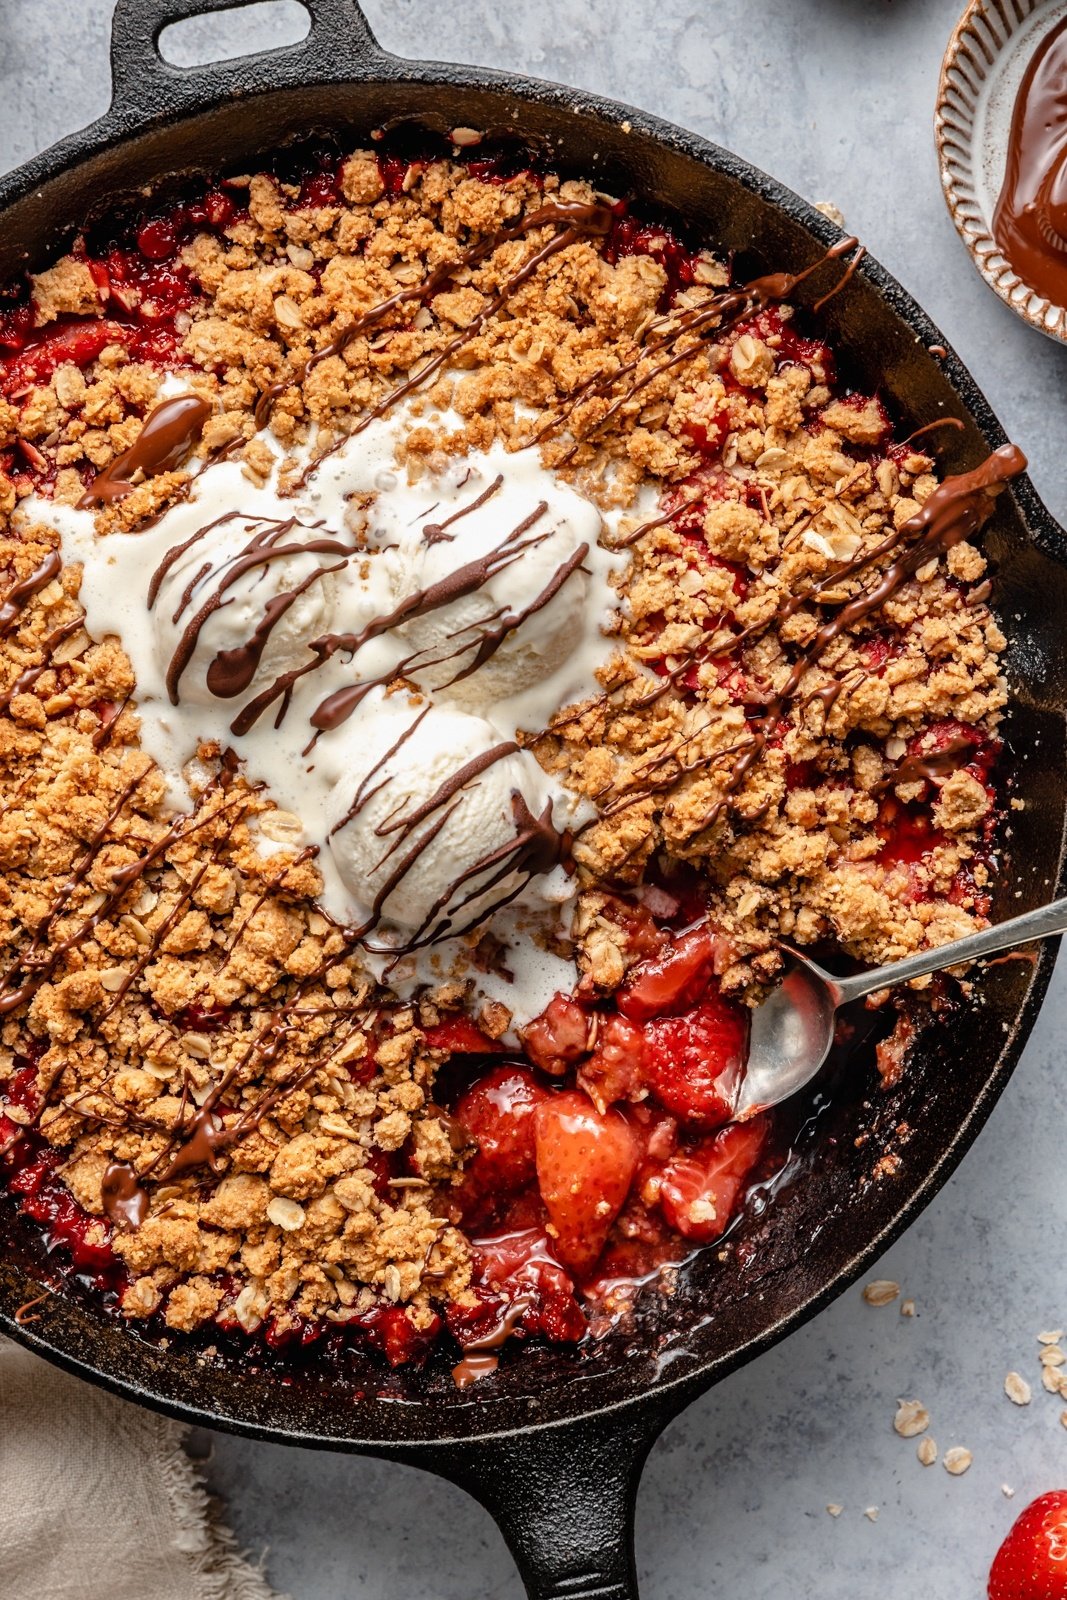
(1039, 924)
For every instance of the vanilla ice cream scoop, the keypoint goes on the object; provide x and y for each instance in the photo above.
(505, 553)
(239, 605)
(435, 821)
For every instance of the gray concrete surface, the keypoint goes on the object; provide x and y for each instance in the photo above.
(835, 97)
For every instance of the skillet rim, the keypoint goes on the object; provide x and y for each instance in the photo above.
(126, 124)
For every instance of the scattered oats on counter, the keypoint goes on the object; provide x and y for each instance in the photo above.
(1017, 1389)
(882, 1292)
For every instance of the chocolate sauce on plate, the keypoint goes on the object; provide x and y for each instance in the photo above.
(1030, 221)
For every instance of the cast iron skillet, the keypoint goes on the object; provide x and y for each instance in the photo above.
(553, 1445)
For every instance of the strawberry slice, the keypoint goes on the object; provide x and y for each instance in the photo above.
(699, 1188)
(1031, 1564)
(460, 1037)
(496, 1113)
(558, 1037)
(692, 1063)
(586, 1160)
(672, 980)
(613, 1071)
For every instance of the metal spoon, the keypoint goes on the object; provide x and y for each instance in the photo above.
(792, 1029)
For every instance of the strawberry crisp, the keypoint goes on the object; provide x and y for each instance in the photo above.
(450, 634)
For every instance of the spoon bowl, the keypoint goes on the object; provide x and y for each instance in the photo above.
(793, 1029)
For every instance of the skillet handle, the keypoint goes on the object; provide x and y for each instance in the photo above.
(339, 44)
(564, 1499)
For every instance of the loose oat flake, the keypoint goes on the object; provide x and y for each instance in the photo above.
(957, 1460)
(911, 1419)
(882, 1292)
(1017, 1389)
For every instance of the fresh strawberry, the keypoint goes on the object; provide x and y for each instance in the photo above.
(558, 1037)
(461, 1037)
(586, 1161)
(496, 1113)
(692, 1063)
(672, 980)
(613, 1071)
(1031, 1564)
(699, 1188)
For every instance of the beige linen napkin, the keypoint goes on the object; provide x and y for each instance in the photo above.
(98, 1500)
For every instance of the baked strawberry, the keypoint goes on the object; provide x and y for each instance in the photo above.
(613, 1071)
(496, 1113)
(692, 1063)
(1031, 1564)
(586, 1161)
(699, 1188)
(460, 1036)
(519, 1265)
(671, 980)
(558, 1037)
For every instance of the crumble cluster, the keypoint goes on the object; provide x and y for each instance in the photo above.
(311, 1213)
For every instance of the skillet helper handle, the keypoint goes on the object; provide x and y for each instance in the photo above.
(564, 1499)
(339, 44)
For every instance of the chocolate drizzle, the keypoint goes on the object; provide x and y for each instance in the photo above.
(170, 430)
(926, 768)
(708, 320)
(954, 512)
(123, 1199)
(1030, 221)
(21, 593)
(231, 671)
(575, 217)
(464, 580)
(479, 1356)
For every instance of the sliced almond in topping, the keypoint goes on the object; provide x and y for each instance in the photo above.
(391, 1284)
(927, 1452)
(957, 1460)
(882, 1292)
(71, 648)
(337, 1127)
(911, 1419)
(301, 258)
(465, 137)
(113, 978)
(198, 1045)
(1017, 1389)
(161, 1069)
(136, 929)
(285, 1213)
